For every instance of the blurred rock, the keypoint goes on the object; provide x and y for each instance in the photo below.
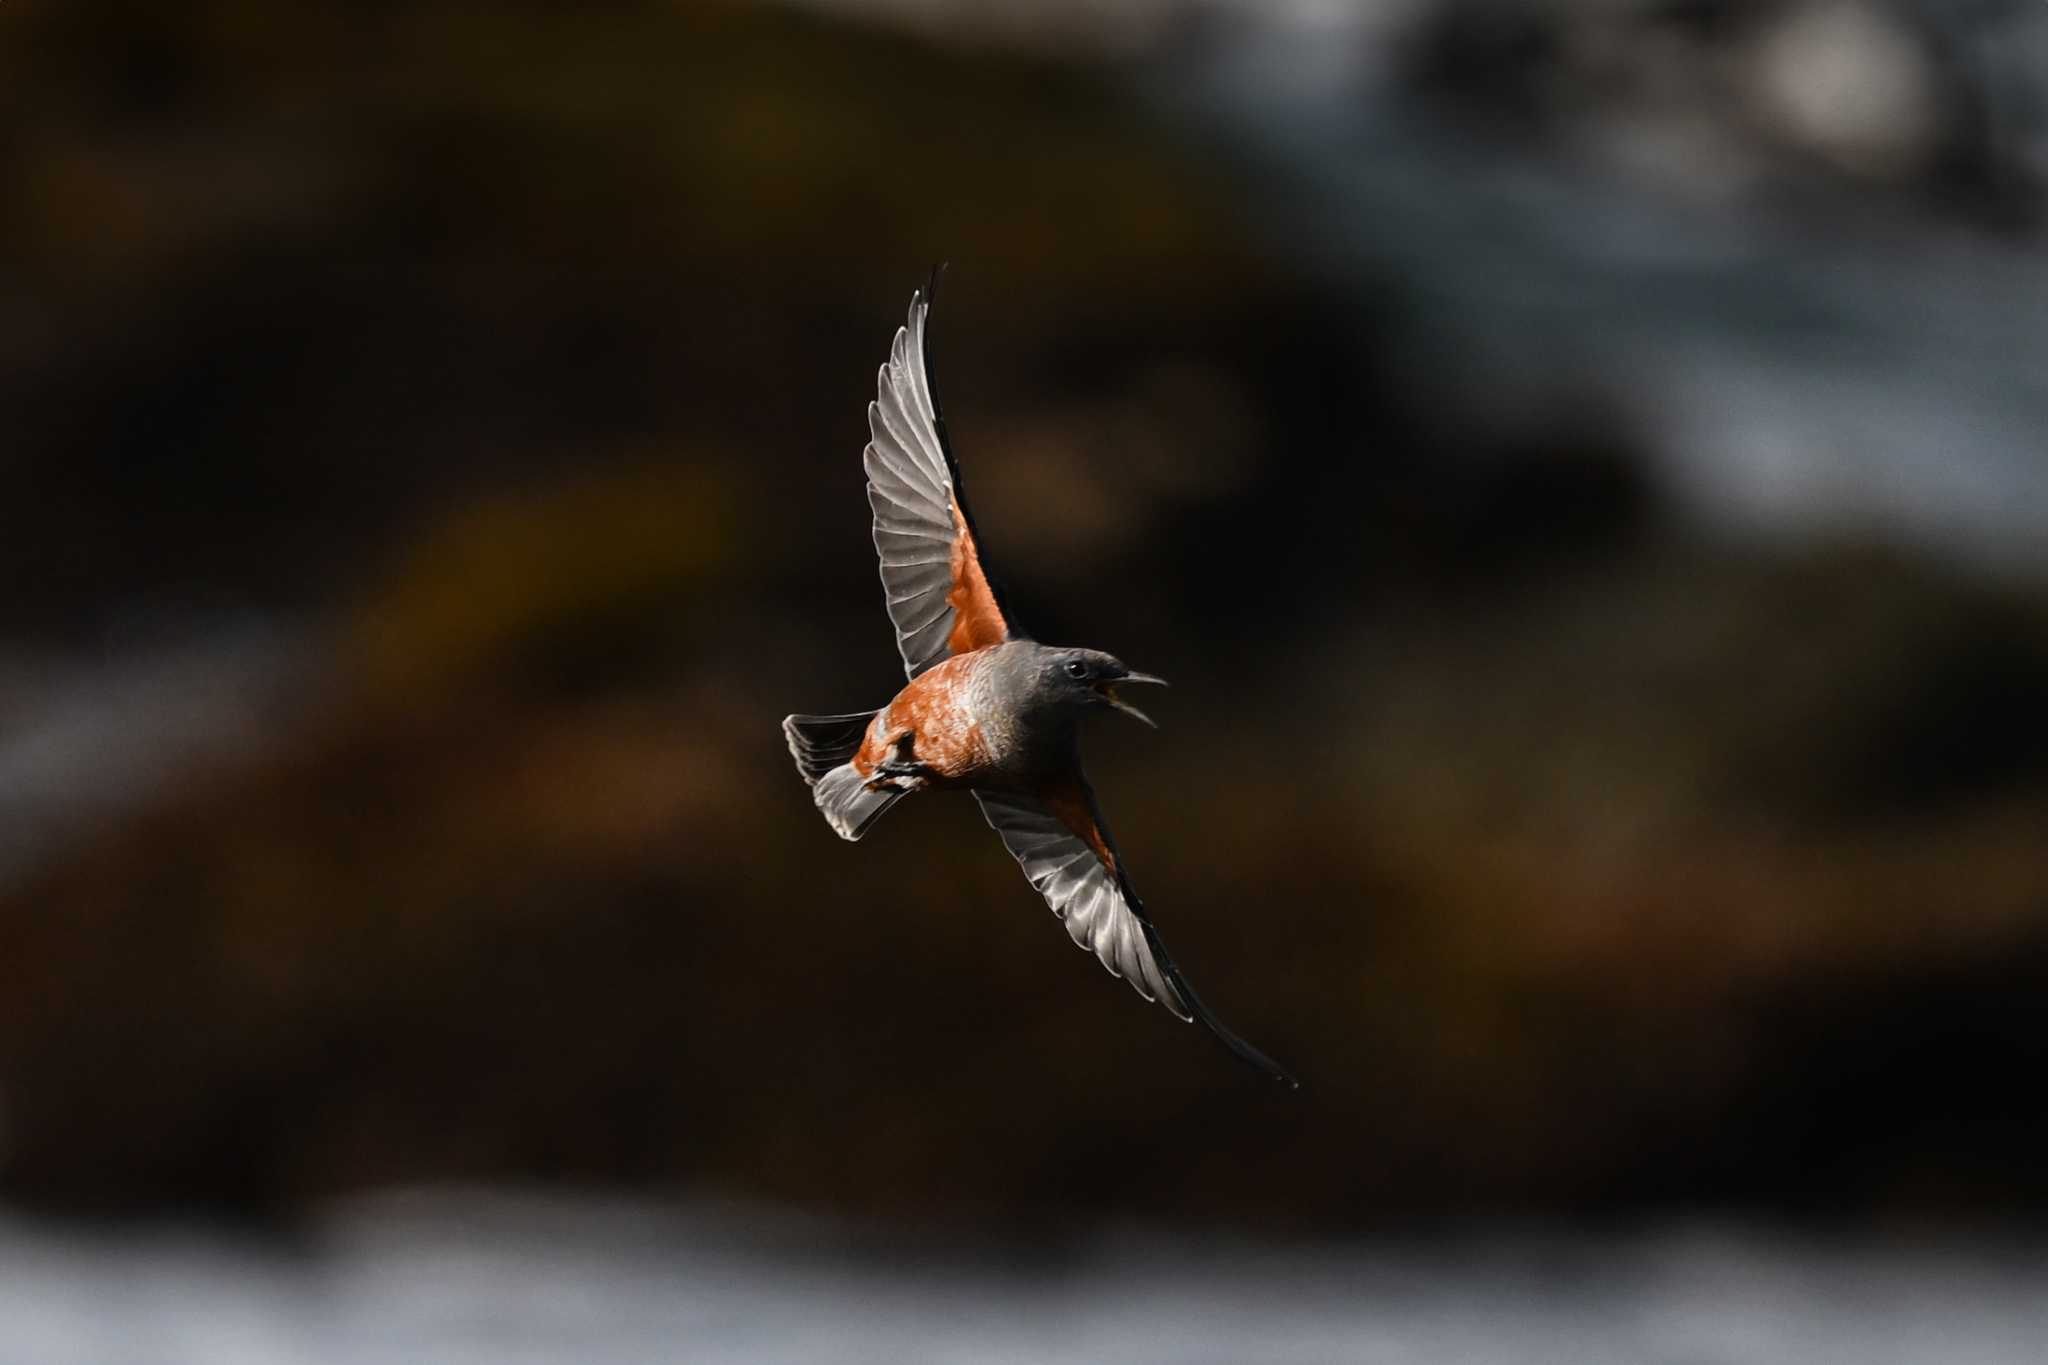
(1719, 99)
(1851, 83)
(83, 744)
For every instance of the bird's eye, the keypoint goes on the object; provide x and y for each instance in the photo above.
(1076, 669)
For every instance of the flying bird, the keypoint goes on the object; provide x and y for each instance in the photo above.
(987, 708)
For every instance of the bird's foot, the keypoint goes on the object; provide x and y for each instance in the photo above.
(898, 775)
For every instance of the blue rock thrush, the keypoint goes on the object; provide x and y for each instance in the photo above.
(987, 708)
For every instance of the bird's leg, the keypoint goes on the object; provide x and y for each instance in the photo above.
(901, 771)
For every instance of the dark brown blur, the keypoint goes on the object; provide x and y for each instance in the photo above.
(432, 465)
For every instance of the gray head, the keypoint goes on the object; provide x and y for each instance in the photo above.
(1081, 678)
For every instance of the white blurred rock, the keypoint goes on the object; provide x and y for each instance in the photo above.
(82, 741)
(1850, 83)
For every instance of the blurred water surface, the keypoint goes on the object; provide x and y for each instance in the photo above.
(454, 1277)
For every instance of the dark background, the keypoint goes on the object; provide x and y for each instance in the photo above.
(432, 467)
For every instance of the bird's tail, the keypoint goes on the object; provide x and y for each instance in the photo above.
(846, 803)
(821, 743)
(821, 746)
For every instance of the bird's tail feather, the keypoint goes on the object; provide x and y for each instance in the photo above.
(821, 743)
(846, 803)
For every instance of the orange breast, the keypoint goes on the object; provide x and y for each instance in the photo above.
(935, 711)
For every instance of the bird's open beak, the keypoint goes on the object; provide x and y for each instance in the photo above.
(1107, 691)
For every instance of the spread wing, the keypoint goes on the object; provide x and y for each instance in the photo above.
(939, 598)
(1063, 846)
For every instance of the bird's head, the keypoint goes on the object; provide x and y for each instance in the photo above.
(1088, 677)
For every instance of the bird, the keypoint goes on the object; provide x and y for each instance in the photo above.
(987, 708)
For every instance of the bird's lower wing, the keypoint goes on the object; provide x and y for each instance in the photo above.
(1065, 850)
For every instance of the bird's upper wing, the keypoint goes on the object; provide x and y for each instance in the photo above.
(939, 598)
(1061, 842)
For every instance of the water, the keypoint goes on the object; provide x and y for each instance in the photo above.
(1876, 373)
(456, 1277)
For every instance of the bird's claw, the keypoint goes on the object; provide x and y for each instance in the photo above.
(899, 776)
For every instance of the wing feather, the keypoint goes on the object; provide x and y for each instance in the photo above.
(1068, 857)
(897, 490)
(924, 536)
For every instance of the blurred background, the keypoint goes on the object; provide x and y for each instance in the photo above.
(1579, 461)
